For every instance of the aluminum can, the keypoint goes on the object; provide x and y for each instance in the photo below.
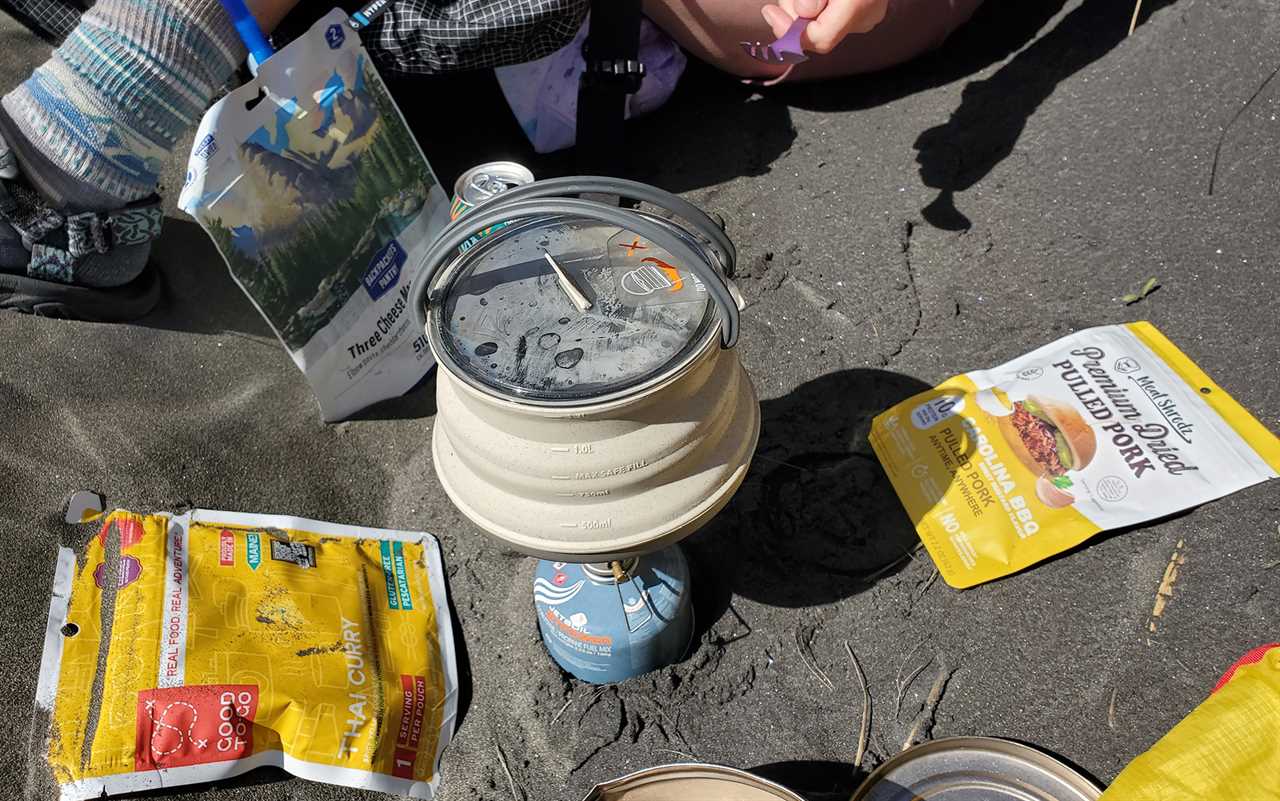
(701, 781)
(481, 183)
(976, 769)
(602, 629)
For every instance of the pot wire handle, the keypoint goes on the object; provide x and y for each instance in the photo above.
(502, 210)
(711, 230)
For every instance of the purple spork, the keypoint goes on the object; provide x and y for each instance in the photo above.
(786, 50)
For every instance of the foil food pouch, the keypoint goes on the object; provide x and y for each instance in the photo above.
(319, 200)
(190, 648)
(1105, 428)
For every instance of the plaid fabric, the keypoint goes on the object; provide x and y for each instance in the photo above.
(411, 37)
(428, 36)
(51, 19)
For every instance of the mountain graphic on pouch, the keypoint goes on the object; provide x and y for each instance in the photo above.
(324, 182)
(317, 197)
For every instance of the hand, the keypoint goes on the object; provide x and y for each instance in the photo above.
(832, 19)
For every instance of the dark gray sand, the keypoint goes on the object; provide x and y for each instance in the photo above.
(1074, 165)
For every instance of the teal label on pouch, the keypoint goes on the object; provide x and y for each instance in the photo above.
(388, 575)
(402, 579)
(253, 550)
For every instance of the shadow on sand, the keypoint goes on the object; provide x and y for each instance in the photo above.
(199, 294)
(993, 112)
(816, 520)
(814, 780)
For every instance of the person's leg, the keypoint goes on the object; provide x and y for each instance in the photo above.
(270, 13)
(92, 127)
(711, 30)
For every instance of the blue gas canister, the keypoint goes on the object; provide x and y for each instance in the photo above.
(610, 621)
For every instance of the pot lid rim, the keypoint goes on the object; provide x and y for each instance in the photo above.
(706, 335)
(1084, 786)
(691, 770)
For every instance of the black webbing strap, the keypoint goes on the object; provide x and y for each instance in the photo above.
(612, 53)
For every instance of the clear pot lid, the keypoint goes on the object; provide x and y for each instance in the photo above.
(566, 311)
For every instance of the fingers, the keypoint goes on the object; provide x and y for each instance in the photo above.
(780, 15)
(833, 20)
(778, 19)
(808, 8)
(841, 18)
(824, 33)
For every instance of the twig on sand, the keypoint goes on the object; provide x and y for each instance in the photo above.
(806, 655)
(923, 727)
(864, 730)
(906, 682)
(517, 792)
(595, 696)
(1133, 23)
(678, 753)
(1217, 150)
(910, 654)
(871, 578)
(674, 726)
(932, 578)
(781, 462)
(903, 683)
(557, 715)
(1111, 710)
(570, 701)
(1165, 591)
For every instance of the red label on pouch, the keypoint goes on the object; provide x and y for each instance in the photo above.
(129, 526)
(403, 766)
(226, 549)
(413, 710)
(193, 725)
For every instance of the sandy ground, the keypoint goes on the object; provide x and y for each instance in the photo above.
(895, 230)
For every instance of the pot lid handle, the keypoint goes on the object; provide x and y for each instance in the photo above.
(699, 221)
(525, 202)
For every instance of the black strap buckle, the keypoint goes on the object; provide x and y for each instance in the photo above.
(623, 73)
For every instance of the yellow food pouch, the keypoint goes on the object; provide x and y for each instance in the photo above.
(1105, 428)
(1227, 748)
(189, 648)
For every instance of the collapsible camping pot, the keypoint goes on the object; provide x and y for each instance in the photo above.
(691, 782)
(949, 769)
(591, 406)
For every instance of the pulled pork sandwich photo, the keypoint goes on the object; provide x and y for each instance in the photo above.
(1050, 438)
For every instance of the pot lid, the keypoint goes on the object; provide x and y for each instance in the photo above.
(563, 310)
(691, 782)
(976, 769)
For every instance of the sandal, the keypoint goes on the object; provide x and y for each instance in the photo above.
(59, 243)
